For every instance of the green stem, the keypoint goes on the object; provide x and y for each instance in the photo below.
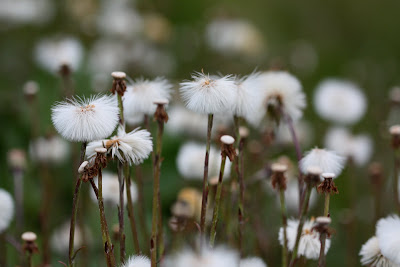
(284, 225)
(108, 247)
(121, 110)
(326, 206)
(121, 211)
(301, 223)
(217, 202)
(205, 179)
(141, 203)
(75, 209)
(131, 214)
(156, 231)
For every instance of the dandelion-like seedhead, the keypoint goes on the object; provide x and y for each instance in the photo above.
(248, 98)
(309, 245)
(190, 161)
(137, 261)
(111, 189)
(140, 96)
(355, 147)
(209, 94)
(132, 147)
(340, 101)
(215, 257)
(326, 160)
(371, 255)
(6, 208)
(252, 262)
(86, 119)
(388, 233)
(282, 90)
(49, 149)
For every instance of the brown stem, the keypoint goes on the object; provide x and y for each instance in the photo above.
(45, 212)
(121, 211)
(131, 214)
(141, 203)
(241, 196)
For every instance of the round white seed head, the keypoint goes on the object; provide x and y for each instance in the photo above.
(244, 132)
(29, 236)
(394, 130)
(101, 150)
(227, 139)
(83, 166)
(328, 175)
(118, 75)
(314, 170)
(323, 220)
(161, 101)
(31, 88)
(279, 167)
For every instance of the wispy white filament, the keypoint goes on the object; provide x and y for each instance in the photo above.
(371, 255)
(252, 262)
(388, 233)
(87, 119)
(137, 261)
(327, 161)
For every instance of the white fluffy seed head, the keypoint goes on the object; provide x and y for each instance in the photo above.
(118, 75)
(328, 175)
(388, 233)
(51, 149)
(227, 139)
(6, 208)
(327, 161)
(137, 261)
(161, 101)
(86, 119)
(284, 89)
(216, 257)
(340, 101)
(309, 245)
(29, 236)
(252, 262)
(371, 254)
(190, 161)
(140, 96)
(111, 189)
(206, 94)
(358, 148)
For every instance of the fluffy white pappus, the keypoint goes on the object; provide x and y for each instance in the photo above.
(234, 37)
(86, 119)
(292, 198)
(26, 11)
(309, 245)
(139, 98)
(252, 262)
(328, 161)
(132, 147)
(340, 101)
(284, 89)
(208, 94)
(137, 261)
(358, 148)
(190, 161)
(371, 255)
(6, 208)
(210, 257)
(59, 240)
(248, 98)
(52, 53)
(49, 149)
(304, 132)
(111, 189)
(388, 233)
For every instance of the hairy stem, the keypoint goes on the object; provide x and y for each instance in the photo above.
(213, 231)
(131, 214)
(75, 210)
(205, 179)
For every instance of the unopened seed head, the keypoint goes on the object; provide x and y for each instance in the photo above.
(118, 75)
(328, 175)
(83, 166)
(101, 150)
(29, 236)
(323, 220)
(279, 167)
(161, 101)
(227, 139)
(244, 132)
(394, 130)
(314, 170)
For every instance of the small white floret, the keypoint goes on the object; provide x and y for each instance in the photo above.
(137, 261)
(388, 233)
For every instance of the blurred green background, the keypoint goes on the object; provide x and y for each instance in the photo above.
(356, 40)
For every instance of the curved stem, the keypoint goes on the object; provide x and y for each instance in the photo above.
(75, 209)
(205, 179)
(217, 202)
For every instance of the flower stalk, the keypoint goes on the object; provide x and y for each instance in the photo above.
(131, 214)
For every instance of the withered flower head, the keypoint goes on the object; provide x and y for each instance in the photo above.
(312, 175)
(119, 84)
(161, 115)
(29, 245)
(328, 186)
(227, 148)
(278, 178)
